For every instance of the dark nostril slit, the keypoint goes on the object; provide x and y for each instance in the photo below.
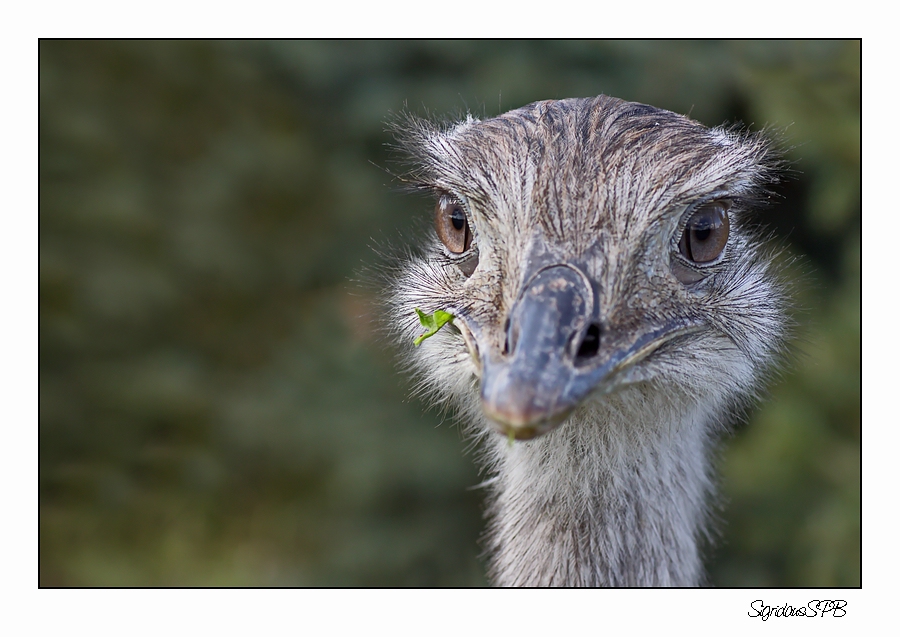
(506, 341)
(590, 345)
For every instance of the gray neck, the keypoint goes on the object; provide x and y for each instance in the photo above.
(610, 498)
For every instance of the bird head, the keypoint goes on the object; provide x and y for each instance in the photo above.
(584, 246)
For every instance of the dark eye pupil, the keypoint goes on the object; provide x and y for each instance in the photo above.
(458, 219)
(703, 230)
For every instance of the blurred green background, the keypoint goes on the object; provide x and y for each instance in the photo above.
(216, 405)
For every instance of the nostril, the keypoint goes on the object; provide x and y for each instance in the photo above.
(590, 344)
(506, 344)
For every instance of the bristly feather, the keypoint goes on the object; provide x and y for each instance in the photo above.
(619, 493)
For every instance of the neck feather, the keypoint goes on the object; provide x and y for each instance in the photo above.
(616, 496)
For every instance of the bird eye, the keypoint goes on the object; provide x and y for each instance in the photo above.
(452, 225)
(706, 233)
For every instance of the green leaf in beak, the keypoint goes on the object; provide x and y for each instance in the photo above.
(432, 323)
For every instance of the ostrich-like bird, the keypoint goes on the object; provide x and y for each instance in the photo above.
(611, 309)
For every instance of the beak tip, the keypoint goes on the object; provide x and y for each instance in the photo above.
(523, 424)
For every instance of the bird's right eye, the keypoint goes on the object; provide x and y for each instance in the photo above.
(452, 225)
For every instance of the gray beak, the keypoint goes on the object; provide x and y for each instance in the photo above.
(534, 386)
(557, 353)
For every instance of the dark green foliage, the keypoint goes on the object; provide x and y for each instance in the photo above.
(216, 405)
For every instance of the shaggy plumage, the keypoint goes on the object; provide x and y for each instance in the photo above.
(609, 479)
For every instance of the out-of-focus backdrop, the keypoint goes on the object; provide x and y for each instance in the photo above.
(216, 406)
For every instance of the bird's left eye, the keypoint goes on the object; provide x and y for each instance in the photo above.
(452, 226)
(706, 233)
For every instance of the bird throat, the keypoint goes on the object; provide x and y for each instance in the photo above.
(601, 502)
